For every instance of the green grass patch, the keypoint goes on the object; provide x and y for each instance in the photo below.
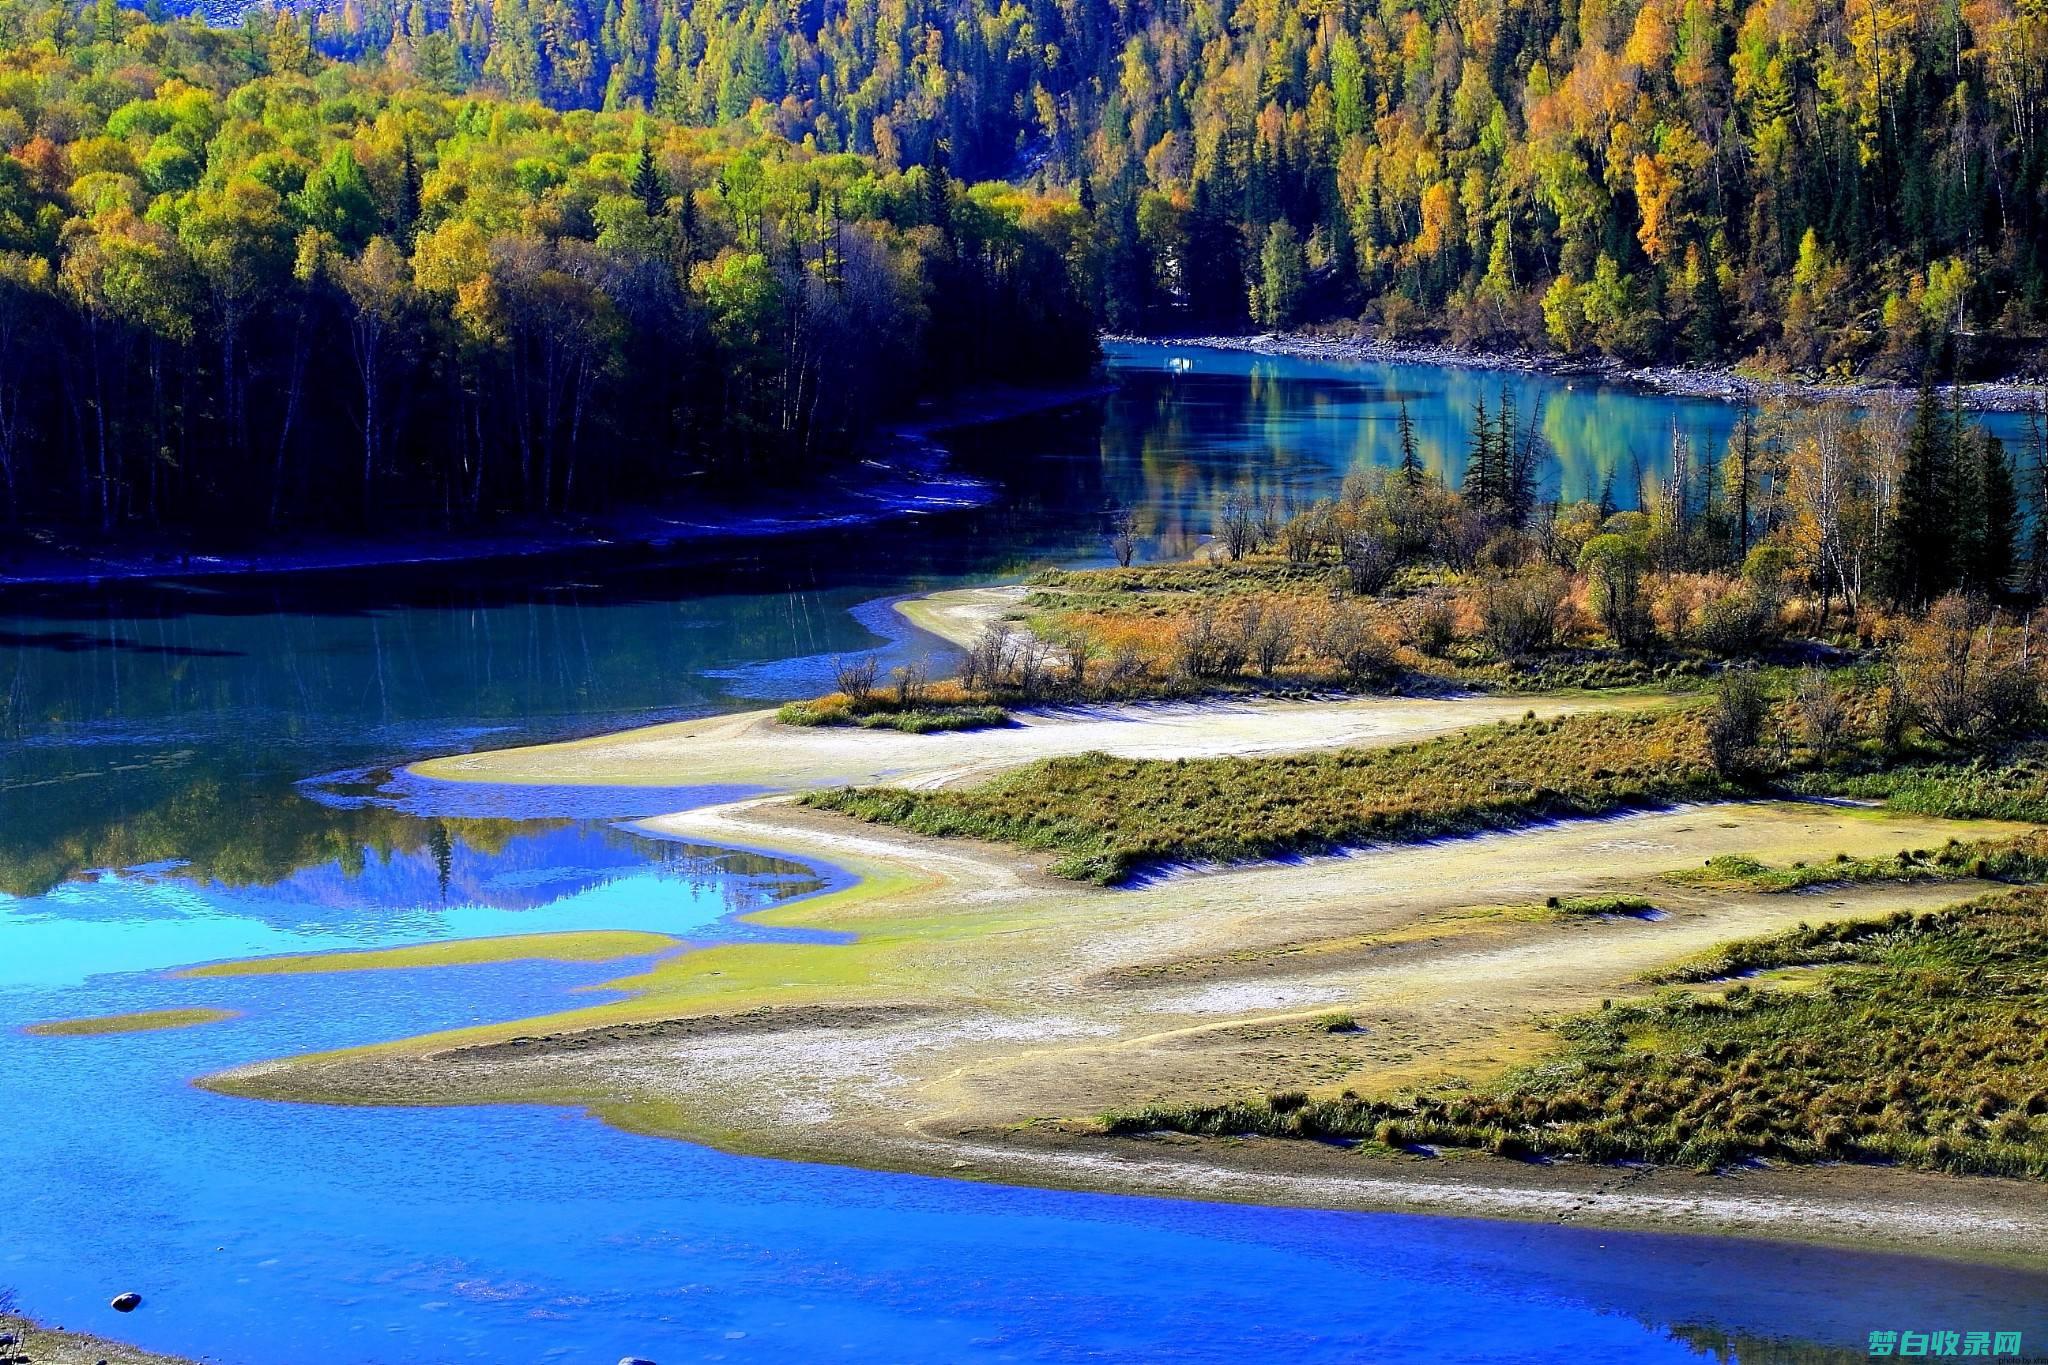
(2008, 786)
(142, 1021)
(1124, 589)
(601, 945)
(925, 720)
(1106, 818)
(2023, 858)
(1925, 1043)
(915, 720)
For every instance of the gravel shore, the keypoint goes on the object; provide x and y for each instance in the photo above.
(2019, 393)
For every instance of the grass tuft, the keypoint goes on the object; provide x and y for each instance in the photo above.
(915, 720)
(1105, 819)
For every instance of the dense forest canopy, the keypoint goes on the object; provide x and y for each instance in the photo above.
(244, 286)
(456, 258)
(1835, 183)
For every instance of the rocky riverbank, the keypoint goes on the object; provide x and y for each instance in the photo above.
(31, 1344)
(2019, 393)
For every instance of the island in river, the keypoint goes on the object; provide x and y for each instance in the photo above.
(984, 1014)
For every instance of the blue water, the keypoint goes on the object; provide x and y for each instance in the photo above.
(198, 771)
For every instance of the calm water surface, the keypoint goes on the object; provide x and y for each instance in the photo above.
(192, 772)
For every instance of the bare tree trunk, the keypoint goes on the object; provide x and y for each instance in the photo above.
(295, 384)
(99, 412)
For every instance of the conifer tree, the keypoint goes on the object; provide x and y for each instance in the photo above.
(647, 183)
(1917, 563)
(1997, 531)
(1411, 458)
(406, 214)
(938, 191)
(1743, 470)
(1127, 283)
(1212, 264)
(2037, 540)
(1479, 469)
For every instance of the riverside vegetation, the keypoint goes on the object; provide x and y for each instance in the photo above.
(1815, 538)
(1893, 661)
(1921, 1043)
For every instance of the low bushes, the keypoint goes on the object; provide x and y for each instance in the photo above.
(1924, 1045)
(916, 720)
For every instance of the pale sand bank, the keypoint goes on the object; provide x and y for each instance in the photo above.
(987, 1012)
(754, 749)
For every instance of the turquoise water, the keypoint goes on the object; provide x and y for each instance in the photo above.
(196, 771)
(262, 1232)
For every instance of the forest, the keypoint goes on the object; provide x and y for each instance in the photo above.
(357, 264)
(1823, 187)
(243, 285)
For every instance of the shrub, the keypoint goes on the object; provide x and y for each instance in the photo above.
(1676, 603)
(1823, 714)
(1123, 535)
(1359, 643)
(1237, 524)
(1273, 637)
(1737, 621)
(1031, 664)
(1370, 561)
(1080, 650)
(987, 661)
(1957, 681)
(1617, 569)
(856, 677)
(1125, 670)
(1212, 643)
(1436, 622)
(1507, 551)
(1735, 724)
(1304, 534)
(1519, 616)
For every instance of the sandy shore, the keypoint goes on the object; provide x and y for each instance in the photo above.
(986, 1013)
(960, 615)
(753, 749)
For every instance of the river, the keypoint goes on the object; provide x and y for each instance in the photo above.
(198, 770)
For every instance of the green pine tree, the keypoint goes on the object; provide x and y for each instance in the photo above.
(1997, 532)
(1411, 458)
(1917, 566)
(648, 187)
